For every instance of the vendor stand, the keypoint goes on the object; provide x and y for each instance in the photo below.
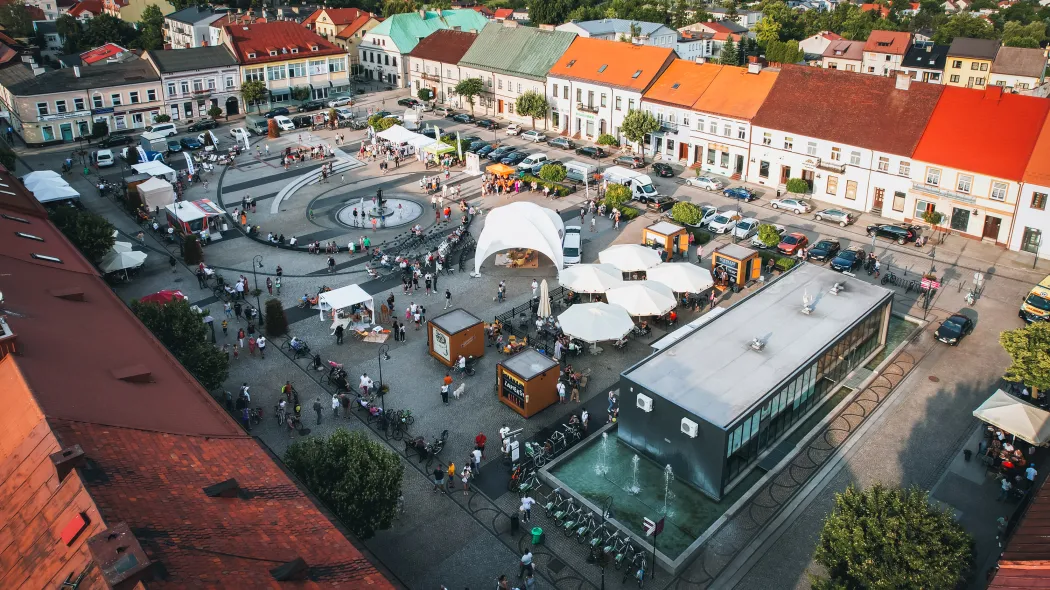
(353, 309)
(204, 218)
(739, 264)
(455, 334)
(670, 238)
(528, 382)
(434, 154)
(501, 170)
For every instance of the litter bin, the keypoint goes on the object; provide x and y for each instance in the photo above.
(514, 523)
(537, 535)
(967, 454)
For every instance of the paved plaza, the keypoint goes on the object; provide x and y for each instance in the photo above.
(906, 423)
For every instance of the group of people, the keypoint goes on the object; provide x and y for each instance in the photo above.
(303, 153)
(492, 184)
(1014, 467)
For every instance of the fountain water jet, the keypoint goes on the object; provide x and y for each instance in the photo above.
(633, 488)
(601, 467)
(668, 494)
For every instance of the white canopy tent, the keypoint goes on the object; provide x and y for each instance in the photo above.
(681, 277)
(158, 169)
(156, 192)
(521, 225)
(1016, 417)
(630, 257)
(33, 179)
(594, 322)
(591, 278)
(48, 190)
(399, 135)
(342, 298)
(641, 298)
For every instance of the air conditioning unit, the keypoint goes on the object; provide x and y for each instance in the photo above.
(689, 428)
(644, 403)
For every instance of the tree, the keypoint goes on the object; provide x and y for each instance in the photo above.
(379, 124)
(1029, 350)
(468, 88)
(208, 141)
(548, 12)
(686, 212)
(276, 320)
(272, 130)
(891, 538)
(8, 158)
(162, 118)
(533, 105)
(133, 155)
(192, 253)
(792, 53)
(963, 24)
(356, 477)
(214, 112)
(934, 218)
(606, 139)
(300, 93)
(392, 7)
(253, 91)
(731, 10)
(16, 20)
(767, 30)
(768, 235)
(70, 29)
(637, 124)
(183, 332)
(91, 233)
(104, 29)
(728, 56)
(425, 94)
(1017, 35)
(333, 118)
(151, 28)
(552, 173)
(99, 129)
(616, 196)
(797, 185)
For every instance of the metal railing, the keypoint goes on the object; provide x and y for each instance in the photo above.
(940, 192)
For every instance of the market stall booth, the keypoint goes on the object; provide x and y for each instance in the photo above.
(203, 217)
(670, 238)
(353, 309)
(501, 170)
(1015, 417)
(455, 334)
(528, 382)
(48, 186)
(155, 193)
(526, 229)
(737, 264)
(158, 169)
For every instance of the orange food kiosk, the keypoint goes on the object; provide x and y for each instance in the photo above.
(454, 334)
(528, 381)
(740, 264)
(669, 237)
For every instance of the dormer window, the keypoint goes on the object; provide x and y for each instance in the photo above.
(251, 56)
(273, 52)
(295, 50)
(313, 48)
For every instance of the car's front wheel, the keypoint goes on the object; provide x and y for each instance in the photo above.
(841, 223)
(900, 241)
(775, 206)
(819, 217)
(798, 211)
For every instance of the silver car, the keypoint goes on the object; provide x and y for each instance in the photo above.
(535, 136)
(843, 218)
(797, 205)
(705, 182)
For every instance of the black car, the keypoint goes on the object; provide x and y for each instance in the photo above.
(276, 111)
(484, 151)
(467, 138)
(501, 152)
(475, 146)
(408, 102)
(463, 118)
(429, 132)
(659, 204)
(663, 170)
(848, 259)
(824, 250)
(514, 159)
(591, 152)
(301, 121)
(203, 125)
(486, 124)
(899, 233)
(190, 143)
(310, 105)
(115, 140)
(953, 329)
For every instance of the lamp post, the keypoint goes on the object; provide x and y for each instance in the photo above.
(606, 507)
(257, 262)
(383, 353)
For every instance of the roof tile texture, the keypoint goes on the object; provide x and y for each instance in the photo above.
(445, 46)
(682, 83)
(260, 38)
(517, 51)
(1038, 170)
(890, 42)
(622, 62)
(737, 93)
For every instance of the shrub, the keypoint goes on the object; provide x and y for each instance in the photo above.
(606, 139)
(616, 196)
(276, 321)
(786, 263)
(768, 235)
(629, 213)
(686, 212)
(797, 185)
(552, 172)
(272, 130)
(559, 189)
(702, 237)
(425, 94)
(215, 112)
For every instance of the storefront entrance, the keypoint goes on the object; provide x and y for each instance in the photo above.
(67, 131)
(738, 168)
(876, 205)
(991, 228)
(785, 174)
(232, 107)
(1031, 240)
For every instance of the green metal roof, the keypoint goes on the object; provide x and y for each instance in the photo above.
(407, 29)
(517, 51)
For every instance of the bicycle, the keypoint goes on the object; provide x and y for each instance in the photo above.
(279, 415)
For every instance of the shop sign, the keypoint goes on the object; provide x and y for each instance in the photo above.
(440, 344)
(513, 389)
(104, 111)
(60, 116)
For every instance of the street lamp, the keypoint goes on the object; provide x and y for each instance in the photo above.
(383, 353)
(601, 558)
(257, 262)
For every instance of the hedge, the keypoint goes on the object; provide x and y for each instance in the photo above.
(560, 189)
(629, 213)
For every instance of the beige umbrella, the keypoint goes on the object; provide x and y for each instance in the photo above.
(594, 322)
(642, 298)
(1016, 417)
(122, 246)
(116, 260)
(591, 278)
(681, 277)
(630, 257)
(544, 309)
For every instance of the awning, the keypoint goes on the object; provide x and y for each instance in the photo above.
(342, 298)
(500, 170)
(1015, 417)
(438, 148)
(594, 322)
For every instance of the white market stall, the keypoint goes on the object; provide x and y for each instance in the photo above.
(33, 179)
(1015, 417)
(397, 134)
(156, 192)
(521, 225)
(350, 306)
(158, 169)
(202, 217)
(49, 189)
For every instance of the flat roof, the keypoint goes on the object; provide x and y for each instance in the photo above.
(664, 228)
(735, 251)
(716, 375)
(455, 321)
(528, 363)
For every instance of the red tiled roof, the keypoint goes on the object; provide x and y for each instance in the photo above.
(682, 83)
(259, 38)
(503, 13)
(355, 26)
(8, 40)
(721, 36)
(344, 16)
(1000, 146)
(890, 42)
(623, 65)
(831, 36)
(93, 7)
(849, 108)
(485, 10)
(718, 27)
(101, 52)
(7, 54)
(1038, 170)
(1023, 562)
(845, 49)
(312, 18)
(444, 45)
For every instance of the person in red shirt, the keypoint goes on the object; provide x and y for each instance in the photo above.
(479, 443)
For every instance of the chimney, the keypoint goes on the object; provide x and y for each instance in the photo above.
(903, 81)
(423, 13)
(753, 65)
(120, 557)
(76, 71)
(67, 460)
(224, 489)
(38, 71)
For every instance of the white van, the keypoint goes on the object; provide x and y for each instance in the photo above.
(532, 160)
(284, 123)
(166, 129)
(572, 244)
(104, 158)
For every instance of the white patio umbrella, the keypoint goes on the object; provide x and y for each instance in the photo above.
(591, 278)
(681, 277)
(119, 246)
(642, 298)
(116, 260)
(594, 322)
(544, 310)
(630, 257)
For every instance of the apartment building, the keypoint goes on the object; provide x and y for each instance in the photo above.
(1018, 69)
(195, 80)
(843, 54)
(434, 64)
(618, 29)
(969, 61)
(346, 27)
(190, 27)
(884, 52)
(925, 62)
(1033, 220)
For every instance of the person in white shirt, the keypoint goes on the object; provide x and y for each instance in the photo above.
(535, 286)
(366, 383)
(244, 391)
(475, 458)
(261, 343)
(526, 508)
(561, 392)
(1030, 474)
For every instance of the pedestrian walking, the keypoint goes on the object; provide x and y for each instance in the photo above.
(261, 343)
(561, 391)
(475, 460)
(451, 475)
(172, 262)
(317, 409)
(444, 394)
(479, 445)
(269, 285)
(251, 345)
(416, 317)
(535, 286)
(585, 419)
(465, 478)
(526, 508)
(339, 334)
(365, 383)
(238, 309)
(335, 406)
(448, 299)
(225, 328)
(277, 284)
(594, 220)
(439, 478)
(240, 337)
(612, 400)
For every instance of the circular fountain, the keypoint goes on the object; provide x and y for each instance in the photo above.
(394, 212)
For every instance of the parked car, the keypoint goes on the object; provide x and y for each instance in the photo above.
(533, 136)
(838, 216)
(284, 123)
(203, 125)
(310, 105)
(463, 118)
(848, 259)
(514, 159)
(501, 152)
(190, 143)
(663, 170)
(487, 124)
(562, 142)
(115, 140)
(707, 213)
(408, 102)
(174, 146)
(791, 243)
(466, 138)
(535, 170)
(741, 193)
(104, 158)
(237, 132)
(275, 112)
(723, 222)
(629, 161)
(760, 245)
(659, 204)
(301, 121)
(745, 228)
(445, 112)
(381, 114)
(953, 329)
(513, 129)
(899, 233)
(797, 205)
(485, 150)
(342, 101)
(591, 152)
(476, 145)
(705, 182)
(824, 250)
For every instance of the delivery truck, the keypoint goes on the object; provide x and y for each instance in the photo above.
(641, 185)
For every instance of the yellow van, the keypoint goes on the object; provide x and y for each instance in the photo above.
(1036, 305)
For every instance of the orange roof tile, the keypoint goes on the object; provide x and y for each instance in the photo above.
(352, 28)
(344, 16)
(1038, 170)
(1000, 146)
(94, 7)
(890, 42)
(626, 65)
(503, 13)
(260, 37)
(312, 18)
(737, 93)
(682, 83)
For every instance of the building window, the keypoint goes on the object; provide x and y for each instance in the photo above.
(555, 94)
(921, 207)
(898, 201)
(602, 103)
(984, 67)
(60, 106)
(151, 95)
(78, 104)
(1039, 201)
(905, 169)
(565, 92)
(854, 158)
(973, 66)
(115, 99)
(763, 169)
(965, 183)
(630, 104)
(741, 133)
(186, 87)
(711, 157)
(579, 95)
(954, 78)
(48, 133)
(957, 64)
(519, 92)
(999, 191)
(811, 148)
(767, 138)
(499, 84)
(712, 128)
(685, 121)
(275, 73)
(933, 176)
(133, 96)
(211, 83)
(97, 101)
(980, 81)
(619, 103)
(171, 90)
(229, 82)
(836, 154)
(41, 109)
(884, 164)
(297, 70)
(833, 185)
(727, 131)
(198, 85)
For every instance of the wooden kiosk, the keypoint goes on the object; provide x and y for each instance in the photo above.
(740, 263)
(454, 334)
(669, 237)
(528, 381)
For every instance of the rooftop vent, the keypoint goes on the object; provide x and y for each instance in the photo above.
(120, 557)
(807, 303)
(133, 374)
(224, 489)
(73, 528)
(68, 293)
(67, 460)
(837, 288)
(295, 569)
(758, 344)
(602, 69)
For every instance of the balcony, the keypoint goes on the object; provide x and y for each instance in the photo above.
(430, 77)
(934, 191)
(670, 126)
(830, 166)
(587, 108)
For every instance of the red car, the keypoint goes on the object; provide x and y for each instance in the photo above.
(792, 243)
